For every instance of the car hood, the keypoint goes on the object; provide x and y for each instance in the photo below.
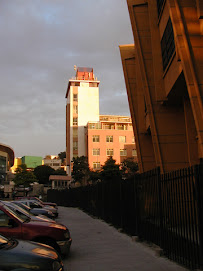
(28, 255)
(42, 219)
(35, 223)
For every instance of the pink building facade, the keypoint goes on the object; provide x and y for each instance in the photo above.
(111, 136)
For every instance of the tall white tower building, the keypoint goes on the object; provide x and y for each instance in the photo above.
(82, 106)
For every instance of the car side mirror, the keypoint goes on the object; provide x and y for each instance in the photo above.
(12, 223)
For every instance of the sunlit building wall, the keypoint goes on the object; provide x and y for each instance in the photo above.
(6, 162)
(163, 74)
(82, 105)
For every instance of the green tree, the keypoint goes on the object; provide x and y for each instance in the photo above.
(24, 177)
(129, 167)
(42, 173)
(94, 176)
(110, 170)
(60, 171)
(62, 156)
(81, 169)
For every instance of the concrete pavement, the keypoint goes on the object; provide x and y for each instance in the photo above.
(98, 246)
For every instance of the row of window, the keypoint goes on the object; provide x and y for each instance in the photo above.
(109, 138)
(110, 152)
(90, 84)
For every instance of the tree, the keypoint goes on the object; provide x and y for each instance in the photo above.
(94, 176)
(43, 172)
(24, 177)
(62, 156)
(81, 169)
(129, 167)
(60, 171)
(110, 170)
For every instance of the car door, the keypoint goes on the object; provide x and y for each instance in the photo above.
(9, 226)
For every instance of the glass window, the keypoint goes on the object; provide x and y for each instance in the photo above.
(122, 127)
(96, 151)
(109, 138)
(75, 121)
(96, 165)
(133, 139)
(75, 145)
(159, 6)
(95, 138)
(123, 152)
(109, 152)
(167, 44)
(75, 109)
(122, 139)
(75, 97)
(2, 164)
(134, 152)
(75, 132)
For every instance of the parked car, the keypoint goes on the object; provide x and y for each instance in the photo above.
(26, 255)
(35, 211)
(35, 204)
(53, 234)
(39, 200)
(25, 214)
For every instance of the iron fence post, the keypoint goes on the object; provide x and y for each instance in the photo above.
(160, 206)
(199, 194)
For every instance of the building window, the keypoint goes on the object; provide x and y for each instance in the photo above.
(75, 97)
(159, 6)
(109, 138)
(75, 132)
(108, 126)
(122, 127)
(133, 139)
(75, 121)
(167, 44)
(75, 109)
(94, 126)
(123, 152)
(96, 151)
(75, 145)
(109, 152)
(134, 152)
(96, 165)
(95, 138)
(122, 139)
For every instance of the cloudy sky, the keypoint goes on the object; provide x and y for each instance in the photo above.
(41, 41)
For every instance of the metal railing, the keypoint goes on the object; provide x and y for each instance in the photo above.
(166, 210)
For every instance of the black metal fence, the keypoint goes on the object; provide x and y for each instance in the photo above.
(163, 209)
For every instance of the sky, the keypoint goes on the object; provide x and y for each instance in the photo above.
(41, 41)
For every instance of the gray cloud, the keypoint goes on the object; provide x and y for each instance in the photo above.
(41, 41)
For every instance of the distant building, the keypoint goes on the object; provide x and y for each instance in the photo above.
(90, 134)
(32, 161)
(6, 162)
(52, 161)
(111, 136)
(163, 74)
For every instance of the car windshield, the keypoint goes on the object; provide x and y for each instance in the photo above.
(21, 209)
(17, 216)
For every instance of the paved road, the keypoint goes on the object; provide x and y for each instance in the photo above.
(99, 247)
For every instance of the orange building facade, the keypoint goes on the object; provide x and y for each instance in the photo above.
(163, 73)
(111, 136)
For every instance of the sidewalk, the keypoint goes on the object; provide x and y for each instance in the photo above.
(97, 246)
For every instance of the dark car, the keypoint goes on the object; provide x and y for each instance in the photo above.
(39, 200)
(25, 214)
(26, 255)
(33, 204)
(36, 211)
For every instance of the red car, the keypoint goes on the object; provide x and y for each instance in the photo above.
(53, 234)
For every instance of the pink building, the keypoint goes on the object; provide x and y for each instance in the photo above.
(111, 136)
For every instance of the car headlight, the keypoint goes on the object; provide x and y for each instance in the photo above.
(67, 235)
(57, 266)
